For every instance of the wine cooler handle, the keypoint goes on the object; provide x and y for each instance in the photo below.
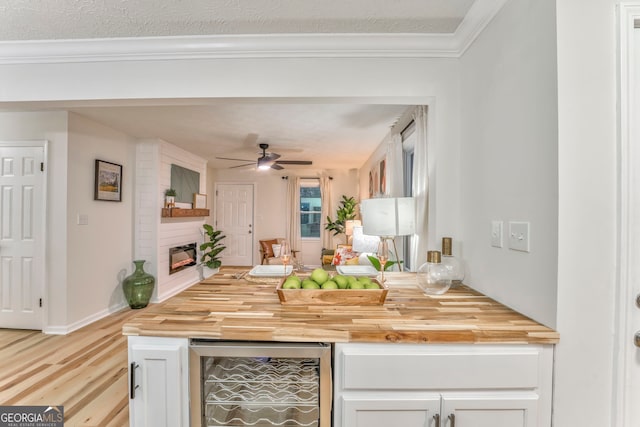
(452, 420)
(436, 418)
(132, 380)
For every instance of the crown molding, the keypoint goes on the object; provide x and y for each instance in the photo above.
(256, 45)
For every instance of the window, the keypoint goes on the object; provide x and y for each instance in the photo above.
(310, 206)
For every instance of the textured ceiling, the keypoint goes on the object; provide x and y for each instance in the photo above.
(72, 19)
(332, 135)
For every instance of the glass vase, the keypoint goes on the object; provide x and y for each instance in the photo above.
(432, 276)
(138, 287)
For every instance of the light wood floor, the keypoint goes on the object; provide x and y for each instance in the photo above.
(85, 371)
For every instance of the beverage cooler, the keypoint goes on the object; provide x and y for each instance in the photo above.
(259, 384)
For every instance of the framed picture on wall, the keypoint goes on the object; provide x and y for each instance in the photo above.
(199, 201)
(108, 181)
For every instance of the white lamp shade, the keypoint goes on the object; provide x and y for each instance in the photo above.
(393, 216)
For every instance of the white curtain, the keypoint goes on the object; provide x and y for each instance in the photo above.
(293, 212)
(420, 188)
(395, 170)
(326, 210)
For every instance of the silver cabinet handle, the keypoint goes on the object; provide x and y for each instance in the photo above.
(436, 418)
(452, 420)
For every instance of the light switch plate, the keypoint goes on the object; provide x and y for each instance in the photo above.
(496, 234)
(83, 219)
(519, 236)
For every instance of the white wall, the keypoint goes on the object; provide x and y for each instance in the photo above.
(509, 159)
(53, 128)
(100, 253)
(587, 212)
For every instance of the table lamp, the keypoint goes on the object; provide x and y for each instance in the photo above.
(388, 217)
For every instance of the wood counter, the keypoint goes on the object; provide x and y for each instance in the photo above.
(226, 308)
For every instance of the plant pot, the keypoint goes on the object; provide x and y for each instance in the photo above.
(206, 272)
(169, 201)
(138, 287)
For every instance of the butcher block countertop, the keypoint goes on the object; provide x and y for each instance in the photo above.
(226, 308)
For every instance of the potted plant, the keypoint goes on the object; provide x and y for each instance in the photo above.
(210, 249)
(170, 198)
(346, 212)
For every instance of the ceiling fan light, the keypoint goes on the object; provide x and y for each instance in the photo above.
(263, 164)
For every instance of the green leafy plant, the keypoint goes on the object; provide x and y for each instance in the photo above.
(212, 248)
(345, 212)
(170, 192)
(376, 263)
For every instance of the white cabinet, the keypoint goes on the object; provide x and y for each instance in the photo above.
(443, 385)
(399, 409)
(158, 382)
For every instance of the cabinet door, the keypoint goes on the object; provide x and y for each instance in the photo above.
(394, 409)
(490, 410)
(158, 382)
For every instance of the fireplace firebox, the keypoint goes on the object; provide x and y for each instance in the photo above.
(181, 257)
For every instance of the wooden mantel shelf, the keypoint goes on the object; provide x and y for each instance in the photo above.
(182, 213)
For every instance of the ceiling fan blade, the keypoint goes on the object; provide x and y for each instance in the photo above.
(242, 166)
(271, 156)
(229, 158)
(276, 167)
(294, 162)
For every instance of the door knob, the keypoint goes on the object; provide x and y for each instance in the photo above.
(638, 301)
(636, 339)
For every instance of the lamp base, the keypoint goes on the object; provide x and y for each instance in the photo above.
(395, 249)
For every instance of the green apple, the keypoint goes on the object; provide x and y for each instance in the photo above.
(356, 285)
(329, 284)
(309, 284)
(319, 276)
(364, 280)
(371, 285)
(341, 281)
(294, 277)
(291, 284)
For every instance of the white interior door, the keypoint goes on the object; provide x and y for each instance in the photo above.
(234, 216)
(21, 236)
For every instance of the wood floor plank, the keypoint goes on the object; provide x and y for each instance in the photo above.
(85, 371)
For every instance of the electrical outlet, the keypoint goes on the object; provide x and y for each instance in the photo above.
(519, 236)
(496, 234)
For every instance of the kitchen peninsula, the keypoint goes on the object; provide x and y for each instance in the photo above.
(416, 360)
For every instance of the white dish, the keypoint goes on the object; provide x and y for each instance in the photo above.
(356, 270)
(271, 270)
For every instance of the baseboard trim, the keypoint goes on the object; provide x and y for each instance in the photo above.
(174, 291)
(64, 330)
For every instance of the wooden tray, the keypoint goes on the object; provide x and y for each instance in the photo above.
(332, 296)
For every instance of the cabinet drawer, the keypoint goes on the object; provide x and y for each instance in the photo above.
(441, 367)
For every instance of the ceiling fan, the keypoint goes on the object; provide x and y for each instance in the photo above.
(267, 160)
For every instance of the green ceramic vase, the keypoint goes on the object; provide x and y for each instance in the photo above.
(138, 287)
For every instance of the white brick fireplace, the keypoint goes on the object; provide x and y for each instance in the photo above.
(155, 235)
